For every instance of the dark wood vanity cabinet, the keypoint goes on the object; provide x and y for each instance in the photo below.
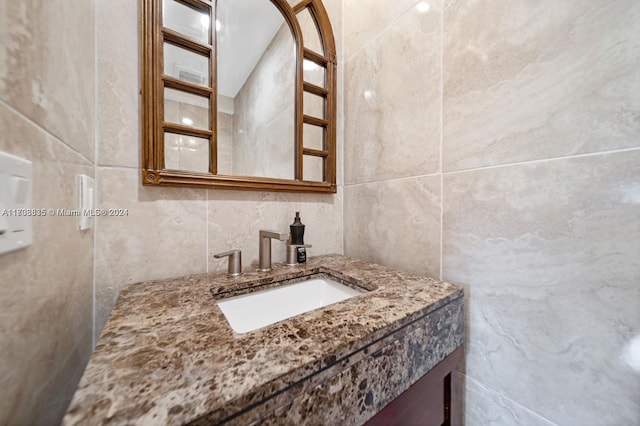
(434, 400)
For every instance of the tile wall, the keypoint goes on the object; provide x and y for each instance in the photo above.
(502, 150)
(47, 115)
(264, 113)
(69, 102)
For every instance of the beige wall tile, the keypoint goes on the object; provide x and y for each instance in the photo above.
(549, 252)
(365, 19)
(487, 408)
(392, 104)
(334, 10)
(47, 67)
(164, 235)
(395, 223)
(119, 83)
(225, 143)
(59, 390)
(46, 289)
(235, 218)
(539, 79)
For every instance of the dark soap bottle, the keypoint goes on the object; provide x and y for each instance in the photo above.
(297, 237)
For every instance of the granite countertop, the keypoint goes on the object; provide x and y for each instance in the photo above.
(168, 356)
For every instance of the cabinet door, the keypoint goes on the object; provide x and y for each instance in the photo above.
(431, 401)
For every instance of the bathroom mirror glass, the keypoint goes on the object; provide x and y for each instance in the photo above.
(239, 94)
(256, 89)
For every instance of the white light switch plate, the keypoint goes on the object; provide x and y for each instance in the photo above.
(16, 213)
(85, 202)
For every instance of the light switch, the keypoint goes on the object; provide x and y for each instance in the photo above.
(85, 202)
(16, 214)
(19, 193)
(19, 189)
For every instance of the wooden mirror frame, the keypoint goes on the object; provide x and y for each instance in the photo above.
(154, 81)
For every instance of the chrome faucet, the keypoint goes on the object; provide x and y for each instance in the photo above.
(264, 258)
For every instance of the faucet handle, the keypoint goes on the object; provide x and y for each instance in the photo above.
(235, 262)
(292, 253)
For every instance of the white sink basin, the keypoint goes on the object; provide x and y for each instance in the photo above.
(252, 311)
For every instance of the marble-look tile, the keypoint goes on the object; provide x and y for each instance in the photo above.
(549, 252)
(334, 9)
(263, 123)
(60, 389)
(539, 79)
(269, 151)
(46, 289)
(164, 234)
(365, 19)
(225, 143)
(118, 83)
(395, 223)
(47, 67)
(236, 217)
(392, 101)
(487, 408)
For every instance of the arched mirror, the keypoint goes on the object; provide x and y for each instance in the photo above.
(239, 94)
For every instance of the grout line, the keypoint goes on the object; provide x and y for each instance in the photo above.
(378, 35)
(544, 160)
(342, 71)
(522, 407)
(43, 130)
(441, 141)
(96, 140)
(518, 163)
(119, 167)
(392, 179)
(206, 224)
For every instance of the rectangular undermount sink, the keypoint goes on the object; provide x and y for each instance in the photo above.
(252, 311)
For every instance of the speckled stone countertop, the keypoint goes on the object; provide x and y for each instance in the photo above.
(168, 356)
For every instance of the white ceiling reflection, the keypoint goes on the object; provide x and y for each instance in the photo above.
(244, 30)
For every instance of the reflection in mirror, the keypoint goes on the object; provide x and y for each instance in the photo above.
(314, 105)
(186, 65)
(256, 89)
(313, 73)
(186, 109)
(186, 20)
(239, 95)
(186, 153)
(310, 33)
(313, 137)
(313, 168)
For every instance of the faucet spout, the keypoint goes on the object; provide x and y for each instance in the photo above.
(264, 248)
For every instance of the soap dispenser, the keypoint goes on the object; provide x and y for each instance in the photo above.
(297, 249)
(297, 230)
(297, 238)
